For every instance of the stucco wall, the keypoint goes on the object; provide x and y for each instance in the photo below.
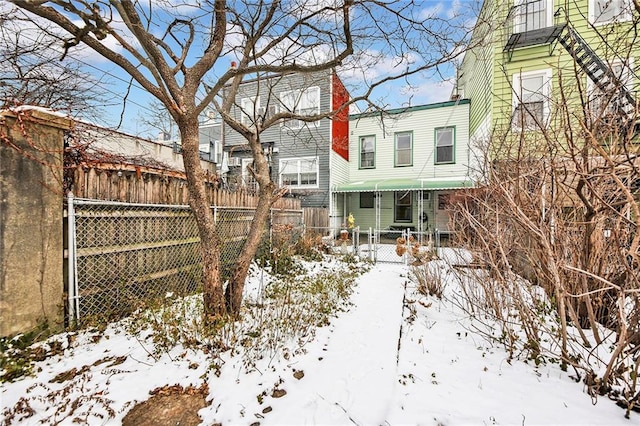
(31, 223)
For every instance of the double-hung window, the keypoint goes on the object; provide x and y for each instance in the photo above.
(445, 144)
(607, 11)
(304, 102)
(367, 152)
(402, 211)
(531, 15)
(299, 172)
(404, 149)
(531, 93)
(249, 110)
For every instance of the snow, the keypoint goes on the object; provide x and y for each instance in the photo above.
(392, 356)
(49, 111)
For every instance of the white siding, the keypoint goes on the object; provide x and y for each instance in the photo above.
(422, 122)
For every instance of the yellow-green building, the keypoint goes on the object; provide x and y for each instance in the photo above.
(548, 66)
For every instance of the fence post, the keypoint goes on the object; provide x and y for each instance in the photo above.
(355, 236)
(407, 235)
(72, 282)
(372, 245)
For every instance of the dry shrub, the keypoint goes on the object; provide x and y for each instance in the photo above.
(578, 257)
(429, 278)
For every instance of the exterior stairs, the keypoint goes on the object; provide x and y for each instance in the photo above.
(599, 72)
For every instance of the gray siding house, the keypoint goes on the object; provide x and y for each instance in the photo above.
(299, 152)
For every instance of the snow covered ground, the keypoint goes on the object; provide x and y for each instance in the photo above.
(392, 357)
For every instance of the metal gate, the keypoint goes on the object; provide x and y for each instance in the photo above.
(397, 245)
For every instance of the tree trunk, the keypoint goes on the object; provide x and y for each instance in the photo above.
(268, 196)
(214, 305)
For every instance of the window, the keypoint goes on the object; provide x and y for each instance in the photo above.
(402, 211)
(445, 138)
(269, 112)
(404, 147)
(299, 172)
(249, 109)
(301, 102)
(367, 200)
(367, 152)
(247, 178)
(530, 15)
(531, 91)
(443, 201)
(606, 11)
(611, 102)
(214, 149)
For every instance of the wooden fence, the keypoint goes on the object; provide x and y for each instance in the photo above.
(138, 184)
(316, 217)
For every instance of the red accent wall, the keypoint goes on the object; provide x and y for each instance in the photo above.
(340, 127)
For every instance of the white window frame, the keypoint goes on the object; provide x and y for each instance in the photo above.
(299, 97)
(249, 108)
(518, 23)
(298, 160)
(247, 178)
(268, 112)
(408, 207)
(217, 151)
(623, 13)
(517, 95)
(624, 71)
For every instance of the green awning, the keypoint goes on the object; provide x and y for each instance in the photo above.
(375, 185)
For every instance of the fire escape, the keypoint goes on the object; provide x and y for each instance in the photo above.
(598, 71)
(531, 25)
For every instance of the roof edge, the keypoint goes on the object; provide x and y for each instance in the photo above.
(444, 104)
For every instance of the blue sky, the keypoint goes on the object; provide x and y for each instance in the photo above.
(424, 87)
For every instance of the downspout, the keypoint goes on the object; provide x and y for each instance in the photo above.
(344, 208)
(377, 197)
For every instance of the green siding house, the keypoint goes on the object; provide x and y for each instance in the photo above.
(533, 66)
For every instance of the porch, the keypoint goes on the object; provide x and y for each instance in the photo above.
(395, 205)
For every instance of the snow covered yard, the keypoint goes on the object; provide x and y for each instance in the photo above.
(389, 356)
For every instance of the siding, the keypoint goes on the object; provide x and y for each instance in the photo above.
(477, 69)
(309, 141)
(613, 41)
(423, 124)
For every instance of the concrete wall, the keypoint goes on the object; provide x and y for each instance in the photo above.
(110, 141)
(31, 222)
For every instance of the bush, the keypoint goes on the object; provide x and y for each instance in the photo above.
(429, 279)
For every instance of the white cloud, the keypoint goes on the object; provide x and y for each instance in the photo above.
(428, 92)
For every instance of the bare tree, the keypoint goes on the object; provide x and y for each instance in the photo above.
(155, 120)
(172, 48)
(33, 73)
(561, 209)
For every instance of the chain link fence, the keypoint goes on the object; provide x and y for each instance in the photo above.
(121, 256)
